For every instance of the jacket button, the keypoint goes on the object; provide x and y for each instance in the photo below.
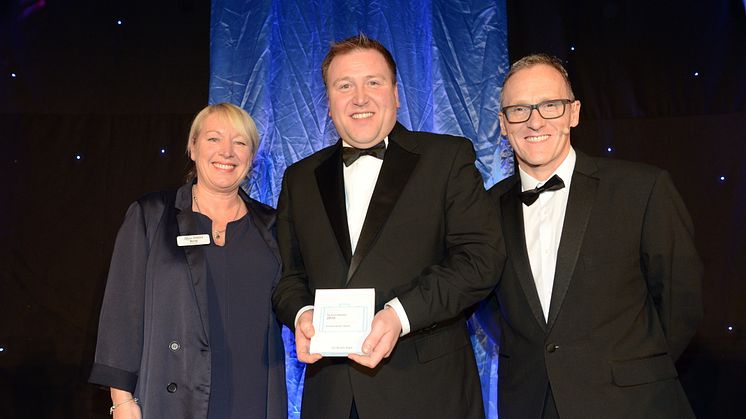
(171, 387)
(552, 347)
(174, 346)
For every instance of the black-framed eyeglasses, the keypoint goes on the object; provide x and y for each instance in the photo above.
(548, 109)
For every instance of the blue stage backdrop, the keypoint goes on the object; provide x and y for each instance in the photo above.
(451, 56)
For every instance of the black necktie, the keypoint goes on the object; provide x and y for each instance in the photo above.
(350, 154)
(530, 196)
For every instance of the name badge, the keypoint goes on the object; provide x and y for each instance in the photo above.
(193, 240)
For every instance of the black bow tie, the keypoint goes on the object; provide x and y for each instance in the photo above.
(530, 196)
(350, 154)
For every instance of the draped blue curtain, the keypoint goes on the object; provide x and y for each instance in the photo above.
(451, 57)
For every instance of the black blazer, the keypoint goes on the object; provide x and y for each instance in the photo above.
(625, 303)
(153, 337)
(430, 238)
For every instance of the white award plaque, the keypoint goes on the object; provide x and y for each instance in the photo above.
(342, 319)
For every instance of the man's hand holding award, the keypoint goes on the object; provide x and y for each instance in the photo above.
(342, 324)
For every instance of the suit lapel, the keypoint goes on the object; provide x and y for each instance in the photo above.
(330, 181)
(194, 255)
(398, 164)
(579, 205)
(265, 220)
(515, 240)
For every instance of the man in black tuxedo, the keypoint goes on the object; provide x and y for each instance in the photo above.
(602, 289)
(399, 211)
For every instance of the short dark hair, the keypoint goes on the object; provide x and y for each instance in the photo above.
(536, 59)
(354, 43)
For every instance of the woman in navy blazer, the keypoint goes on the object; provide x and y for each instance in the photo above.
(187, 328)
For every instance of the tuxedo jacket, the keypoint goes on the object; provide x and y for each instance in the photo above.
(625, 302)
(430, 238)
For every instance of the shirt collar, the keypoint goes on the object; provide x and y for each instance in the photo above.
(564, 171)
(385, 141)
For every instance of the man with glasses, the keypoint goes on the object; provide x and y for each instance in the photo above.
(602, 289)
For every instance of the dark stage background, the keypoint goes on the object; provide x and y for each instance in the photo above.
(98, 112)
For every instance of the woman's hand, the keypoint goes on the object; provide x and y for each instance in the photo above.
(126, 407)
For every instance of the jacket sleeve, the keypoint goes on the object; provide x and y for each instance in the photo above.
(292, 292)
(120, 331)
(672, 267)
(469, 269)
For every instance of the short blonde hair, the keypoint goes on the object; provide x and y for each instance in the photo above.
(236, 116)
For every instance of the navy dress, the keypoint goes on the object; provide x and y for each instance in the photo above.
(238, 291)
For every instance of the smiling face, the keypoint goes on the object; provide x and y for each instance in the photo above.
(363, 98)
(540, 145)
(221, 153)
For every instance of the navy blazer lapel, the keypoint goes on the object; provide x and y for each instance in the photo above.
(515, 241)
(195, 257)
(330, 181)
(398, 164)
(579, 205)
(265, 219)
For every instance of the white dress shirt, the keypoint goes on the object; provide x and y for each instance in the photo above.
(360, 179)
(543, 223)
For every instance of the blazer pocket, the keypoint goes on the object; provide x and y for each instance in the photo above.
(441, 341)
(634, 372)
